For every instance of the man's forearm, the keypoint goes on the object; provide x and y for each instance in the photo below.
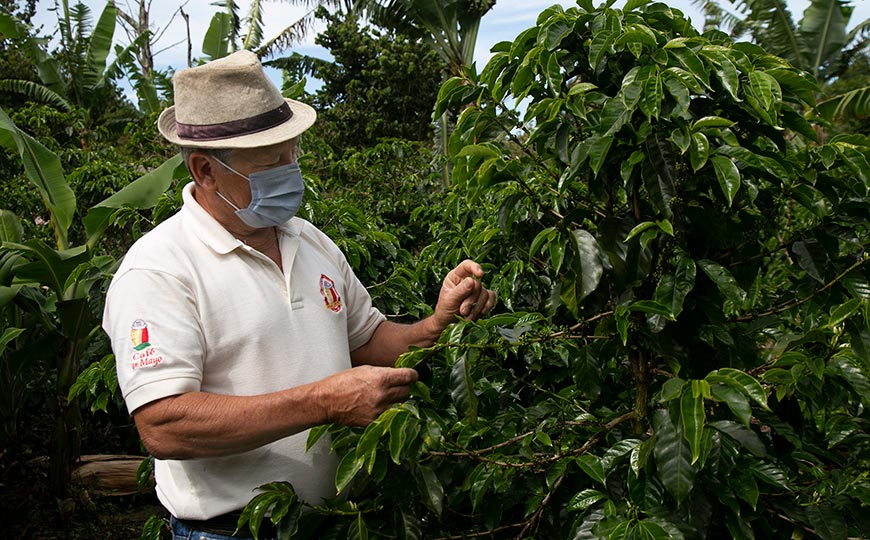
(200, 424)
(391, 339)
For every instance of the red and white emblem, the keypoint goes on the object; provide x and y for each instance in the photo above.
(330, 294)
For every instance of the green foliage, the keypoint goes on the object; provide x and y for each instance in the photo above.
(684, 276)
(153, 528)
(381, 84)
(99, 163)
(44, 170)
(98, 382)
(852, 89)
(820, 43)
(373, 248)
(76, 74)
(450, 26)
(54, 292)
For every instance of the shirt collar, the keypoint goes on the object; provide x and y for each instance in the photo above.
(212, 233)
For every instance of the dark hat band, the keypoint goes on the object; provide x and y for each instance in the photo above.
(234, 128)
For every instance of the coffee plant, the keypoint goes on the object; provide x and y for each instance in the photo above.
(683, 346)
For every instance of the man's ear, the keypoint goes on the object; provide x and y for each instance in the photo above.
(203, 169)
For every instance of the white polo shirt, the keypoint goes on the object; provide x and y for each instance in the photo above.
(194, 309)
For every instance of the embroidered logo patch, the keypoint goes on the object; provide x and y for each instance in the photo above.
(145, 355)
(330, 294)
(139, 334)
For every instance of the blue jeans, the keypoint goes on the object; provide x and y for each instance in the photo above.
(182, 532)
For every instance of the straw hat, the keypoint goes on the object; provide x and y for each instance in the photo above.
(231, 103)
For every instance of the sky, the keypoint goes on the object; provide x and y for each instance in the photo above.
(503, 23)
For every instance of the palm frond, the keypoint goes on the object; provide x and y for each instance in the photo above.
(254, 36)
(287, 37)
(716, 16)
(125, 62)
(841, 63)
(391, 14)
(35, 50)
(853, 104)
(861, 33)
(81, 25)
(64, 24)
(298, 66)
(125, 58)
(772, 26)
(35, 92)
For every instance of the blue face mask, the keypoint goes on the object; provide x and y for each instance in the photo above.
(276, 195)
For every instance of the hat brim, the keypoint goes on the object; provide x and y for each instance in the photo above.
(303, 118)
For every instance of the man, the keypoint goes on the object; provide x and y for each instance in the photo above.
(237, 327)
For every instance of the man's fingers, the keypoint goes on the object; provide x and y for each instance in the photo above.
(475, 297)
(479, 304)
(465, 269)
(398, 394)
(397, 377)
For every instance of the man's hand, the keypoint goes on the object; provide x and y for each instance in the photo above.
(356, 397)
(462, 294)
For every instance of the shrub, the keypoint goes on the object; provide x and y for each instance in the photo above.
(683, 272)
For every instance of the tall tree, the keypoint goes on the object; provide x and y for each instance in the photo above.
(380, 84)
(450, 26)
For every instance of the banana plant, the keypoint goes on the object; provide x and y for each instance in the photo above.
(56, 286)
(50, 91)
(79, 74)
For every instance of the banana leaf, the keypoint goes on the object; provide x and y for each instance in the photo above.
(43, 168)
(140, 194)
(99, 46)
(217, 39)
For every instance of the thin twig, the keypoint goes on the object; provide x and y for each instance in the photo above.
(537, 515)
(482, 533)
(502, 444)
(796, 303)
(582, 324)
(476, 454)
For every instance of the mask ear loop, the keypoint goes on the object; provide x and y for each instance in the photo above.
(219, 194)
(231, 169)
(234, 207)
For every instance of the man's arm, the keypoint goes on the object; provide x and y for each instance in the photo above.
(461, 295)
(200, 424)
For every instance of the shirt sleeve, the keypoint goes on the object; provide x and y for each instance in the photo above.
(363, 318)
(152, 321)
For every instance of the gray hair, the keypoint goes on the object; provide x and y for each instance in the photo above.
(221, 154)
